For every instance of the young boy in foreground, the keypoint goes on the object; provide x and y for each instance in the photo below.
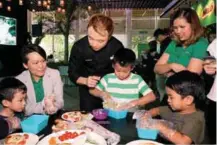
(185, 90)
(123, 86)
(12, 98)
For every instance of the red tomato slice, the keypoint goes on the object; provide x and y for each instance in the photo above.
(65, 116)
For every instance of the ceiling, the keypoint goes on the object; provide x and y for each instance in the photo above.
(107, 4)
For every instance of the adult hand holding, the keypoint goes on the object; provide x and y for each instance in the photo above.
(92, 81)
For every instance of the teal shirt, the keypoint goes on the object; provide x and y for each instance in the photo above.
(181, 55)
(39, 90)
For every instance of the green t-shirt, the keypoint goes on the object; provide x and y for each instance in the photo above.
(39, 90)
(181, 55)
(128, 89)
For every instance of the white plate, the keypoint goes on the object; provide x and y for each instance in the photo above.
(31, 140)
(143, 142)
(73, 116)
(95, 139)
(79, 140)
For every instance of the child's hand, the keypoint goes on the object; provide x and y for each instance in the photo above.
(15, 122)
(106, 97)
(129, 105)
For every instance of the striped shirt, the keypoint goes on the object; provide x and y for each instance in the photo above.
(124, 90)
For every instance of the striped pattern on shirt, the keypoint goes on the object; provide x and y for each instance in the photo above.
(129, 88)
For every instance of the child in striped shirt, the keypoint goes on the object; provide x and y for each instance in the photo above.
(123, 86)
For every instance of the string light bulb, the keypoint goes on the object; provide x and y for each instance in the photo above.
(48, 7)
(1, 5)
(63, 10)
(62, 3)
(9, 8)
(20, 2)
(45, 3)
(39, 3)
(59, 9)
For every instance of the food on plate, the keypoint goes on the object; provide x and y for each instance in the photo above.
(73, 116)
(61, 139)
(60, 125)
(16, 139)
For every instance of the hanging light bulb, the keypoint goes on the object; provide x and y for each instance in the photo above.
(1, 5)
(9, 8)
(39, 3)
(21, 2)
(62, 3)
(59, 9)
(48, 7)
(89, 8)
(45, 3)
(63, 10)
(49, 1)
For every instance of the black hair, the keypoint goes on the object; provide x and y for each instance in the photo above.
(124, 57)
(187, 83)
(10, 86)
(159, 31)
(32, 48)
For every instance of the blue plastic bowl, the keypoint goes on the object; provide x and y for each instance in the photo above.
(35, 123)
(117, 114)
(147, 133)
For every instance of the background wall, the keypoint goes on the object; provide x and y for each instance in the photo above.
(10, 55)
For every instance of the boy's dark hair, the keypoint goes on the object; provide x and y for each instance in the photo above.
(124, 57)
(10, 86)
(32, 48)
(159, 32)
(187, 83)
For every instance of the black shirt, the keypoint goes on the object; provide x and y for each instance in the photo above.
(84, 61)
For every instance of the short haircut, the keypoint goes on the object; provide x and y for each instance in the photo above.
(124, 57)
(32, 48)
(10, 86)
(191, 17)
(101, 22)
(187, 83)
(158, 32)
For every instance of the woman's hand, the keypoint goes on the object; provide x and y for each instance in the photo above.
(49, 102)
(177, 67)
(92, 81)
(210, 66)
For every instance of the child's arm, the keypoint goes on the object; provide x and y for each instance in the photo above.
(173, 135)
(98, 93)
(150, 97)
(154, 112)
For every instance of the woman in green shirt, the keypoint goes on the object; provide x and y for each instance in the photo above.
(44, 85)
(187, 50)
